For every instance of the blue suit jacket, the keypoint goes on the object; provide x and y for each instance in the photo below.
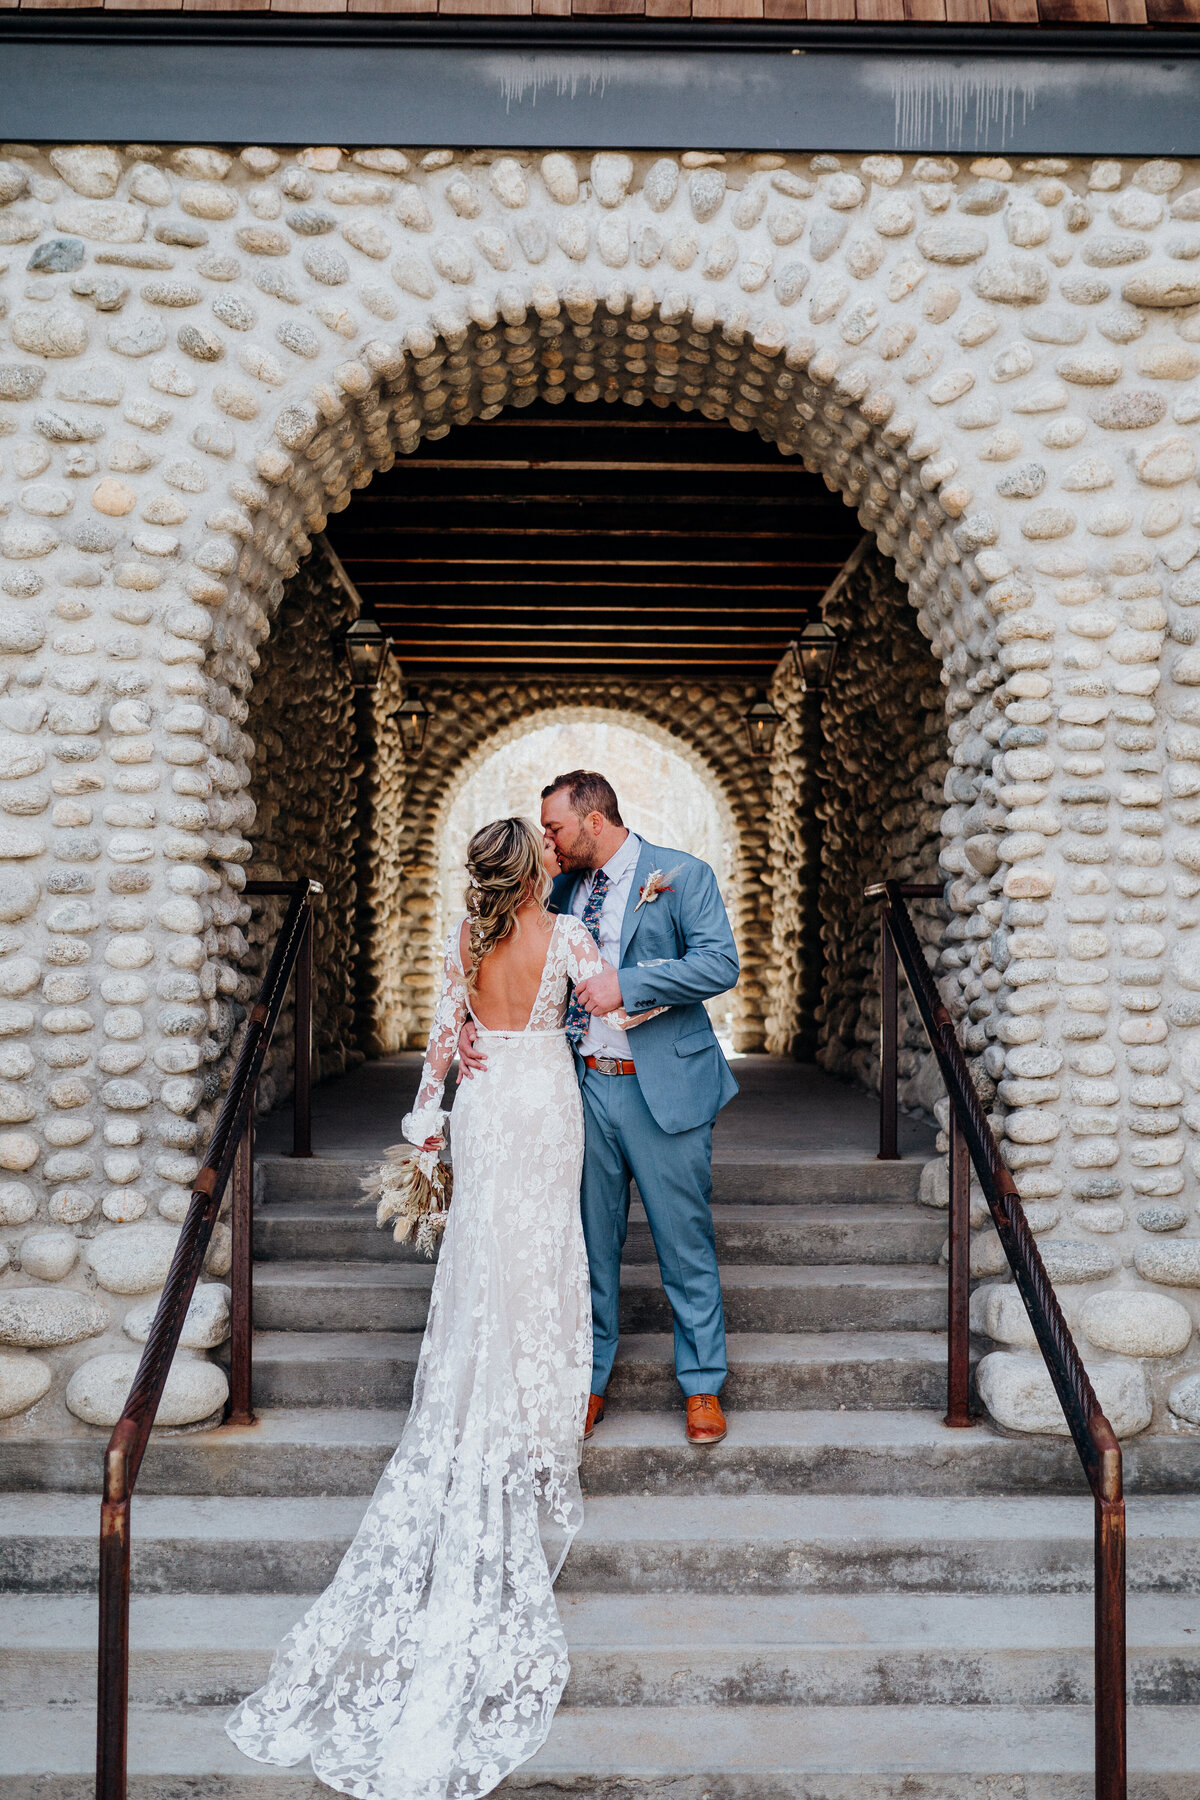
(676, 951)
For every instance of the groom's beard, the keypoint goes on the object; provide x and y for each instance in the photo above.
(579, 855)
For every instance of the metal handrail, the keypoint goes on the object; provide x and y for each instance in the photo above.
(972, 1141)
(229, 1145)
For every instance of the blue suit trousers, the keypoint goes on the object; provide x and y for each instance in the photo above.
(673, 1171)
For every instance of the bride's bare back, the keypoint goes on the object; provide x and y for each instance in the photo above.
(510, 975)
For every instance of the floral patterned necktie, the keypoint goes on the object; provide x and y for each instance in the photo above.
(577, 1012)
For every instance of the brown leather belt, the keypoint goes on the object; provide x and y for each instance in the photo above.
(610, 1065)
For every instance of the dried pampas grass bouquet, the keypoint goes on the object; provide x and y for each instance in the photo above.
(413, 1189)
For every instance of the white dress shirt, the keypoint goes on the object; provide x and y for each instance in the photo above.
(601, 1038)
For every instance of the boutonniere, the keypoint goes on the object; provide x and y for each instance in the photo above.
(657, 882)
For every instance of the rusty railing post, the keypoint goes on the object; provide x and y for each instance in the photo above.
(889, 982)
(958, 1328)
(241, 1338)
(112, 1696)
(1110, 1638)
(230, 1145)
(973, 1142)
(303, 1028)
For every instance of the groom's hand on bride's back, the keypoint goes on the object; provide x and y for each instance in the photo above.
(470, 1060)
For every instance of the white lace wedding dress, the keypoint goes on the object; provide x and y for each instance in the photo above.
(432, 1664)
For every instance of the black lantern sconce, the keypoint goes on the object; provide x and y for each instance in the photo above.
(412, 722)
(815, 652)
(761, 723)
(366, 650)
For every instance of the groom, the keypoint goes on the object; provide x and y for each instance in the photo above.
(649, 1098)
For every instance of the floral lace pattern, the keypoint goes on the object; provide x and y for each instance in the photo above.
(432, 1664)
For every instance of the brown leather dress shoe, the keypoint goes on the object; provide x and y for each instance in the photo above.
(705, 1420)
(595, 1413)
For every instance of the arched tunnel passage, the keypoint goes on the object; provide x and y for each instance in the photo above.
(559, 565)
(669, 794)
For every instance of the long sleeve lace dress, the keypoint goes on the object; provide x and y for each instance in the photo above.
(432, 1664)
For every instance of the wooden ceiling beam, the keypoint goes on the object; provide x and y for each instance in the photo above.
(571, 647)
(444, 613)
(730, 505)
(472, 635)
(608, 661)
(601, 585)
(594, 543)
(604, 466)
(600, 503)
(599, 562)
(650, 533)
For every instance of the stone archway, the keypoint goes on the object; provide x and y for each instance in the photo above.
(990, 365)
(700, 721)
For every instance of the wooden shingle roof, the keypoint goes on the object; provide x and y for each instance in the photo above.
(917, 13)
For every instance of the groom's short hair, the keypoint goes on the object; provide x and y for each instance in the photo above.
(587, 792)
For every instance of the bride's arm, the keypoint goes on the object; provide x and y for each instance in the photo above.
(427, 1119)
(584, 961)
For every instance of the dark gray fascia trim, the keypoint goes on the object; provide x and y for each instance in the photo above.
(296, 79)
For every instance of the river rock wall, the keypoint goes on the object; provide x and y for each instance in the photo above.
(305, 780)
(205, 352)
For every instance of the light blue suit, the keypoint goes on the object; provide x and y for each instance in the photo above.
(656, 1126)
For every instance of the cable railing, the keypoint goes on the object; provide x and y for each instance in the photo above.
(230, 1152)
(973, 1142)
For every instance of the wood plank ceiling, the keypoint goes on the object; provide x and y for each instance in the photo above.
(570, 539)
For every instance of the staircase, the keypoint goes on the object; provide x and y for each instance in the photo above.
(844, 1601)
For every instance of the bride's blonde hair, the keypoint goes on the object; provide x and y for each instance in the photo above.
(505, 867)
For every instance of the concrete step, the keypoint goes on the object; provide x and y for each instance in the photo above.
(371, 1296)
(632, 1650)
(825, 1232)
(712, 1544)
(754, 1180)
(317, 1450)
(784, 1369)
(686, 1753)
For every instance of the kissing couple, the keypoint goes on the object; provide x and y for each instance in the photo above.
(573, 990)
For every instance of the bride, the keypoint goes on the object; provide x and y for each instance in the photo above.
(431, 1666)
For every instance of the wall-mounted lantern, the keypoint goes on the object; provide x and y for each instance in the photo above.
(366, 651)
(815, 652)
(761, 723)
(412, 722)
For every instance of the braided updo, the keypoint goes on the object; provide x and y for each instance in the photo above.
(504, 863)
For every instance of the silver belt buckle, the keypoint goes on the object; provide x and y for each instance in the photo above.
(608, 1065)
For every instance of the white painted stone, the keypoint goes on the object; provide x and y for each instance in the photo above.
(91, 169)
(219, 1258)
(1018, 1392)
(1102, 1219)
(934, 1188)
(205, 1326)
(23, 1382)
(1004, 1317)
(104, 222)
(39, 1318)
(1173, 1262)
(17, 1203)
(54, 333)
(49, 1255)
(195, 1389)
(132, 1259)
(1070, 1260)
(1164, 286)
(14, 182)
(1184, 1399)
(987, 1255)
(1136, 1322)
